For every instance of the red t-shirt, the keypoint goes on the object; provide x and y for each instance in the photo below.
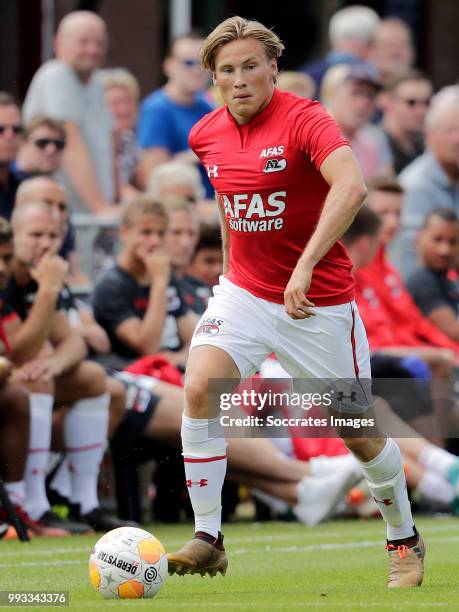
(7, 314)
(266, 174)
(404, 322)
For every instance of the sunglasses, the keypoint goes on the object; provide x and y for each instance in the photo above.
(42, 143)
(16, 129)
(190, 63)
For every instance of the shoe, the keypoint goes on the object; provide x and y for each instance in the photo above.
(202, 555)
(318, 496)
(35, 526)
(406, 563)
(50, 519)
(99, 519)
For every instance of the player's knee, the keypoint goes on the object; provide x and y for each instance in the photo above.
(92, 377)
(196, 396)
(365, 449)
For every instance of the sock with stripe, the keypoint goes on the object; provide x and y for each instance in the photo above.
(85, 434)
(41, 410)
(204, 455)
(62, 481)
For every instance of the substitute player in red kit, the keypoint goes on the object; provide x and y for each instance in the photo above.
(287, 186)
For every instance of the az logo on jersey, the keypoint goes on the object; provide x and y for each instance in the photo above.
(275, 165)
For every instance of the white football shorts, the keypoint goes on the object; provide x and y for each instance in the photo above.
(333, 344)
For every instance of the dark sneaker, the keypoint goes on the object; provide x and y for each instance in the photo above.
(35, 526)
(50, 519)
(203, 555)
(99, 519)
(406, 563)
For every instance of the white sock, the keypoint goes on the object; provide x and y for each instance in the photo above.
(204, 455)
(387, 483)
(434, 487)
(41, 409)
(437, 460)
(62, 482)
(276, 504)
(85, 434)
(16, 492)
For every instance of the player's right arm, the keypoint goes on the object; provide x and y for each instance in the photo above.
(225, 235)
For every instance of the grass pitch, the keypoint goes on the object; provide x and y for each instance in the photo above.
(341, 565)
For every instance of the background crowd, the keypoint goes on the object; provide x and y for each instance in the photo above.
(95, 362)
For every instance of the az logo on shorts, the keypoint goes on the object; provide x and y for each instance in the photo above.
(208, 327)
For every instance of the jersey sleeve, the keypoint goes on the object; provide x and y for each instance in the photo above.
(425, 293)
(111, 302)
(154, 129)
(317, 133)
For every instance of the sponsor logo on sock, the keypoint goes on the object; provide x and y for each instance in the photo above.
(199, 483)
(386, 502)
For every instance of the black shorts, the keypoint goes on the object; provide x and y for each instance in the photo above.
(141, 401)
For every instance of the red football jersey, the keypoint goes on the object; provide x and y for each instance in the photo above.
(266, 174)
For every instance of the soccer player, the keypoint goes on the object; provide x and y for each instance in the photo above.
(287, 187)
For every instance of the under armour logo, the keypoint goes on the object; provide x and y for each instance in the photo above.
(386, 502)
(200, 483)
(212, 171)
(341, 396)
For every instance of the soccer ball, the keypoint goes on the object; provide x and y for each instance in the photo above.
(128, 563)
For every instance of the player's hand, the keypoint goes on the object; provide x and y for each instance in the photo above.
(158, 264)
(51, 272)
(6, 367)
(42, 368)
(297, 305)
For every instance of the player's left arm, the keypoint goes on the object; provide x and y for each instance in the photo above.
(347, 192)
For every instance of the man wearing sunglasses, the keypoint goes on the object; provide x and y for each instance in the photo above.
(405, 108)
(41, 151)
(168, 114)
(10, 140)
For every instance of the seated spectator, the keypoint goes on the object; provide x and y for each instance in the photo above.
(50, 356)
(66, 89)
(10, 140)
(44, 189)
(138, 301)
(181, 237)
(207, 260)
(431, 180)
(350, 33)
(349, 94)
(406, 102)
(122, 92)
(392, 50)
(168, 114)
(42, 149)
(297, 83)
(435, 295)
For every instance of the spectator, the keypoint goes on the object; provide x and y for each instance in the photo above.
(207, 260)
(349, 94)
(392, 49)
(168, 114)
(42, 149)
(138, 301)
(431, 180)
(122, 92)
(405, 107)
(10, 140)
(44, 189)
(51, 354)
(435, 295)
(181, 237)
(297, 83)
(350, 34)
(66, 89)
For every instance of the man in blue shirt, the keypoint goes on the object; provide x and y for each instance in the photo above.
(168, 114)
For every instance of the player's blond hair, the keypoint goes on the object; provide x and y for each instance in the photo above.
(143, 204)
(236, 28)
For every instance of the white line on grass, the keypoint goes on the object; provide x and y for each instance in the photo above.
(244, 551)
(309, 533)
